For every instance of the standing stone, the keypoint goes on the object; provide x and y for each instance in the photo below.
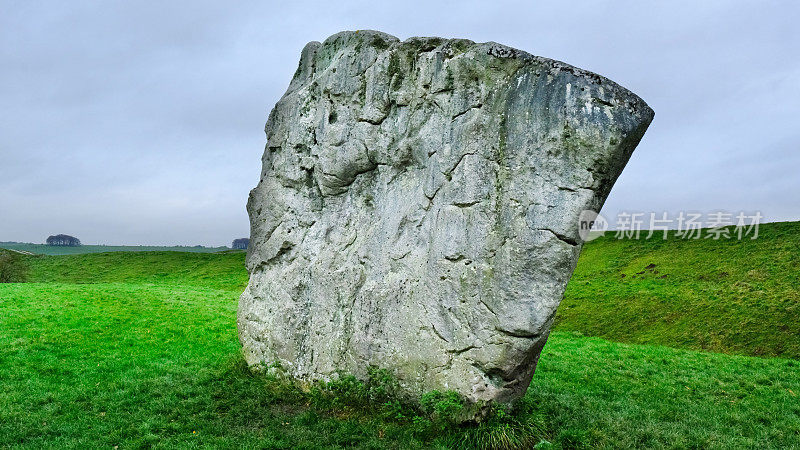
(418, 210)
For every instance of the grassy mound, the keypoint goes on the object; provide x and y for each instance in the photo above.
(140, 349)
(725, 296)
(14, 267)
(216, 270)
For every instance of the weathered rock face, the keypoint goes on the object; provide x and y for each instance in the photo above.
(418, 209)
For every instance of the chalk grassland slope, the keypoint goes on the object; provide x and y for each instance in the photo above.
(43, 249)
(725, 296)
(223, 271)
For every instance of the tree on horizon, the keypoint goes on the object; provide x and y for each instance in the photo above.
(63, 240)
(240, 244)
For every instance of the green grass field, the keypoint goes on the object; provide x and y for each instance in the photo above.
(140, 350)
(44, 249)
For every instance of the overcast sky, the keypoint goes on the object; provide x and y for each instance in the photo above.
(142, 122)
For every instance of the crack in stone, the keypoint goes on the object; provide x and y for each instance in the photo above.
(478, 106)
(459, 351)
(519, 334)
(466, 204)
(457, 164)
(561, 237)
(436, 332)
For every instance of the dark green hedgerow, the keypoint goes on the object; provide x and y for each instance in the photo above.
(14, 267)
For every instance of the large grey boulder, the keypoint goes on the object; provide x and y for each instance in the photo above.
(418, 210)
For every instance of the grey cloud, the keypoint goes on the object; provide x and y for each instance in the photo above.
(142, 122)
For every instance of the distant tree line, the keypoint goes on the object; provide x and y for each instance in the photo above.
(63, 240)
(240, 244)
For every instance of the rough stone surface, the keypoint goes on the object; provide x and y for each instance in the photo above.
(418, 209)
